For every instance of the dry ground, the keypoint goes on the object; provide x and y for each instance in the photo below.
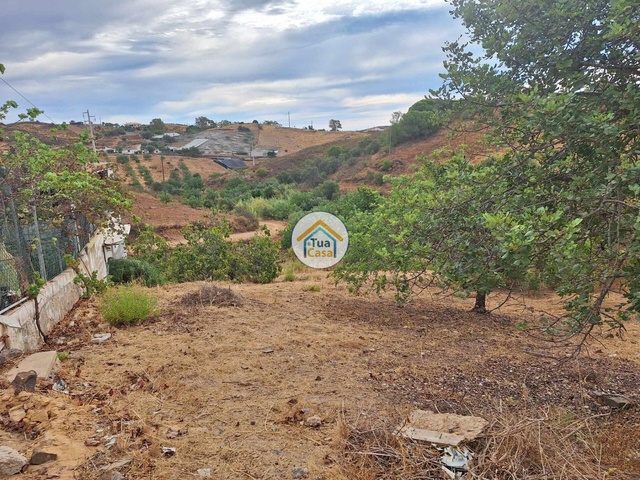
(229, 385)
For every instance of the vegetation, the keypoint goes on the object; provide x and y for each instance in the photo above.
(127, 270)
(560, 206)
(127, 305)
(209, 254)
(335, 125)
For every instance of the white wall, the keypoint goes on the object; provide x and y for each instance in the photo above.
(57, 298)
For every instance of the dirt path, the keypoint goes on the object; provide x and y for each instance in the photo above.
(274, 226)
(230, 387)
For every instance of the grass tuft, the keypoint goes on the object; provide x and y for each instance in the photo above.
(127, 305)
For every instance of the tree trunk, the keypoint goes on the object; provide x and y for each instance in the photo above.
(480, 306)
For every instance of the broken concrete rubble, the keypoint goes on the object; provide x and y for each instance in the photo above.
(442, 428)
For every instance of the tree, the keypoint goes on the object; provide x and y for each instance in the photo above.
(204, 122)
(157, 126)
(556, 87)
(335, 125)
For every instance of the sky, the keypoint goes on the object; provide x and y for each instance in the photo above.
(297, 62)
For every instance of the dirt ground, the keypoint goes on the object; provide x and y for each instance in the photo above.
(229, 376)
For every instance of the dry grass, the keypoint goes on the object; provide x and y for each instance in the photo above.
(536, 444)
(209, 295)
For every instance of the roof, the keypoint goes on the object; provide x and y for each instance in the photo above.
(194, 143)
(230, 163)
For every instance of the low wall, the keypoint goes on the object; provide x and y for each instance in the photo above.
(57, 298)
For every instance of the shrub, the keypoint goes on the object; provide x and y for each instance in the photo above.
(386, 165)
(260, 257)
(165, 197)
(261, 172)
(126, 270)
(127, 305)
(123, 159)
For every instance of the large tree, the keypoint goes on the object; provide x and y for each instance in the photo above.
(335, 125)
(556, 87)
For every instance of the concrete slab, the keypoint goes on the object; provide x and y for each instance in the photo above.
(42, 362)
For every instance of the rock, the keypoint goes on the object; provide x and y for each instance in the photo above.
(313, 422)
(11, 462)
(616, 401)
(9, 354)
(25, 381)
(300, 472)
(101, 337)
(38, 416)
(112, 476)
(40, 457)
(91, 442)
(17, 414)
(442, 428)
(204, 472)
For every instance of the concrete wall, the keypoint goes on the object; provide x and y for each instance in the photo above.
(57, 298)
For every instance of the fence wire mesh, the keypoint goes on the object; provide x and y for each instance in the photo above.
(28, 245)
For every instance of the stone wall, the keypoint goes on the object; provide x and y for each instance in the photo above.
(58, 296)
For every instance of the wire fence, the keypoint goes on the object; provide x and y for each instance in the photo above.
(29, 246)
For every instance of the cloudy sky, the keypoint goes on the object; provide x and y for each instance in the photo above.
(133, 60)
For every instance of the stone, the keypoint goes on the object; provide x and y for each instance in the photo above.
(300, 472)
(11, 461)
(42, 363)
(616, 401)
(442, 428)
(39, 457)
(17, 414)
(101, 337)
(313, 422)
(204, 472)
(9, 354)
(38, 416)
(25, 381)
(91, 442)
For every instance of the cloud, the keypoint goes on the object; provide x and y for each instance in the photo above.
(240, 60)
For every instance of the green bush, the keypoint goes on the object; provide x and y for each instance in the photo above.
(260, 257)
(386, 165)
(122, 159)
(126, 270)
(127, 305)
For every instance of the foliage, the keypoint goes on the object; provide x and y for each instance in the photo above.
(204, 123)
(560, 96)
(210, 255)
(91, 283)
(335, 125)
(127, 305)
(127, 270)
(59, 182)
(157, 126)
(150, 247)
(261, 256)
(423, 118)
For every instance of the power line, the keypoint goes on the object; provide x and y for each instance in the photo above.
(11, 87)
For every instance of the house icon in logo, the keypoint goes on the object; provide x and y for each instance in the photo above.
(320, 240)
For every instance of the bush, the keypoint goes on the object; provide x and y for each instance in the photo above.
(127, 305)
(127, 270)
(386, 166)
(260, 257)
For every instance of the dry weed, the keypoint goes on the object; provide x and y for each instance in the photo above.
(374, 452)
(536, 444)
(208, 295)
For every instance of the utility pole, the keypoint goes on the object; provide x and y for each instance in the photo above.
(93, 140)
(289, 116)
